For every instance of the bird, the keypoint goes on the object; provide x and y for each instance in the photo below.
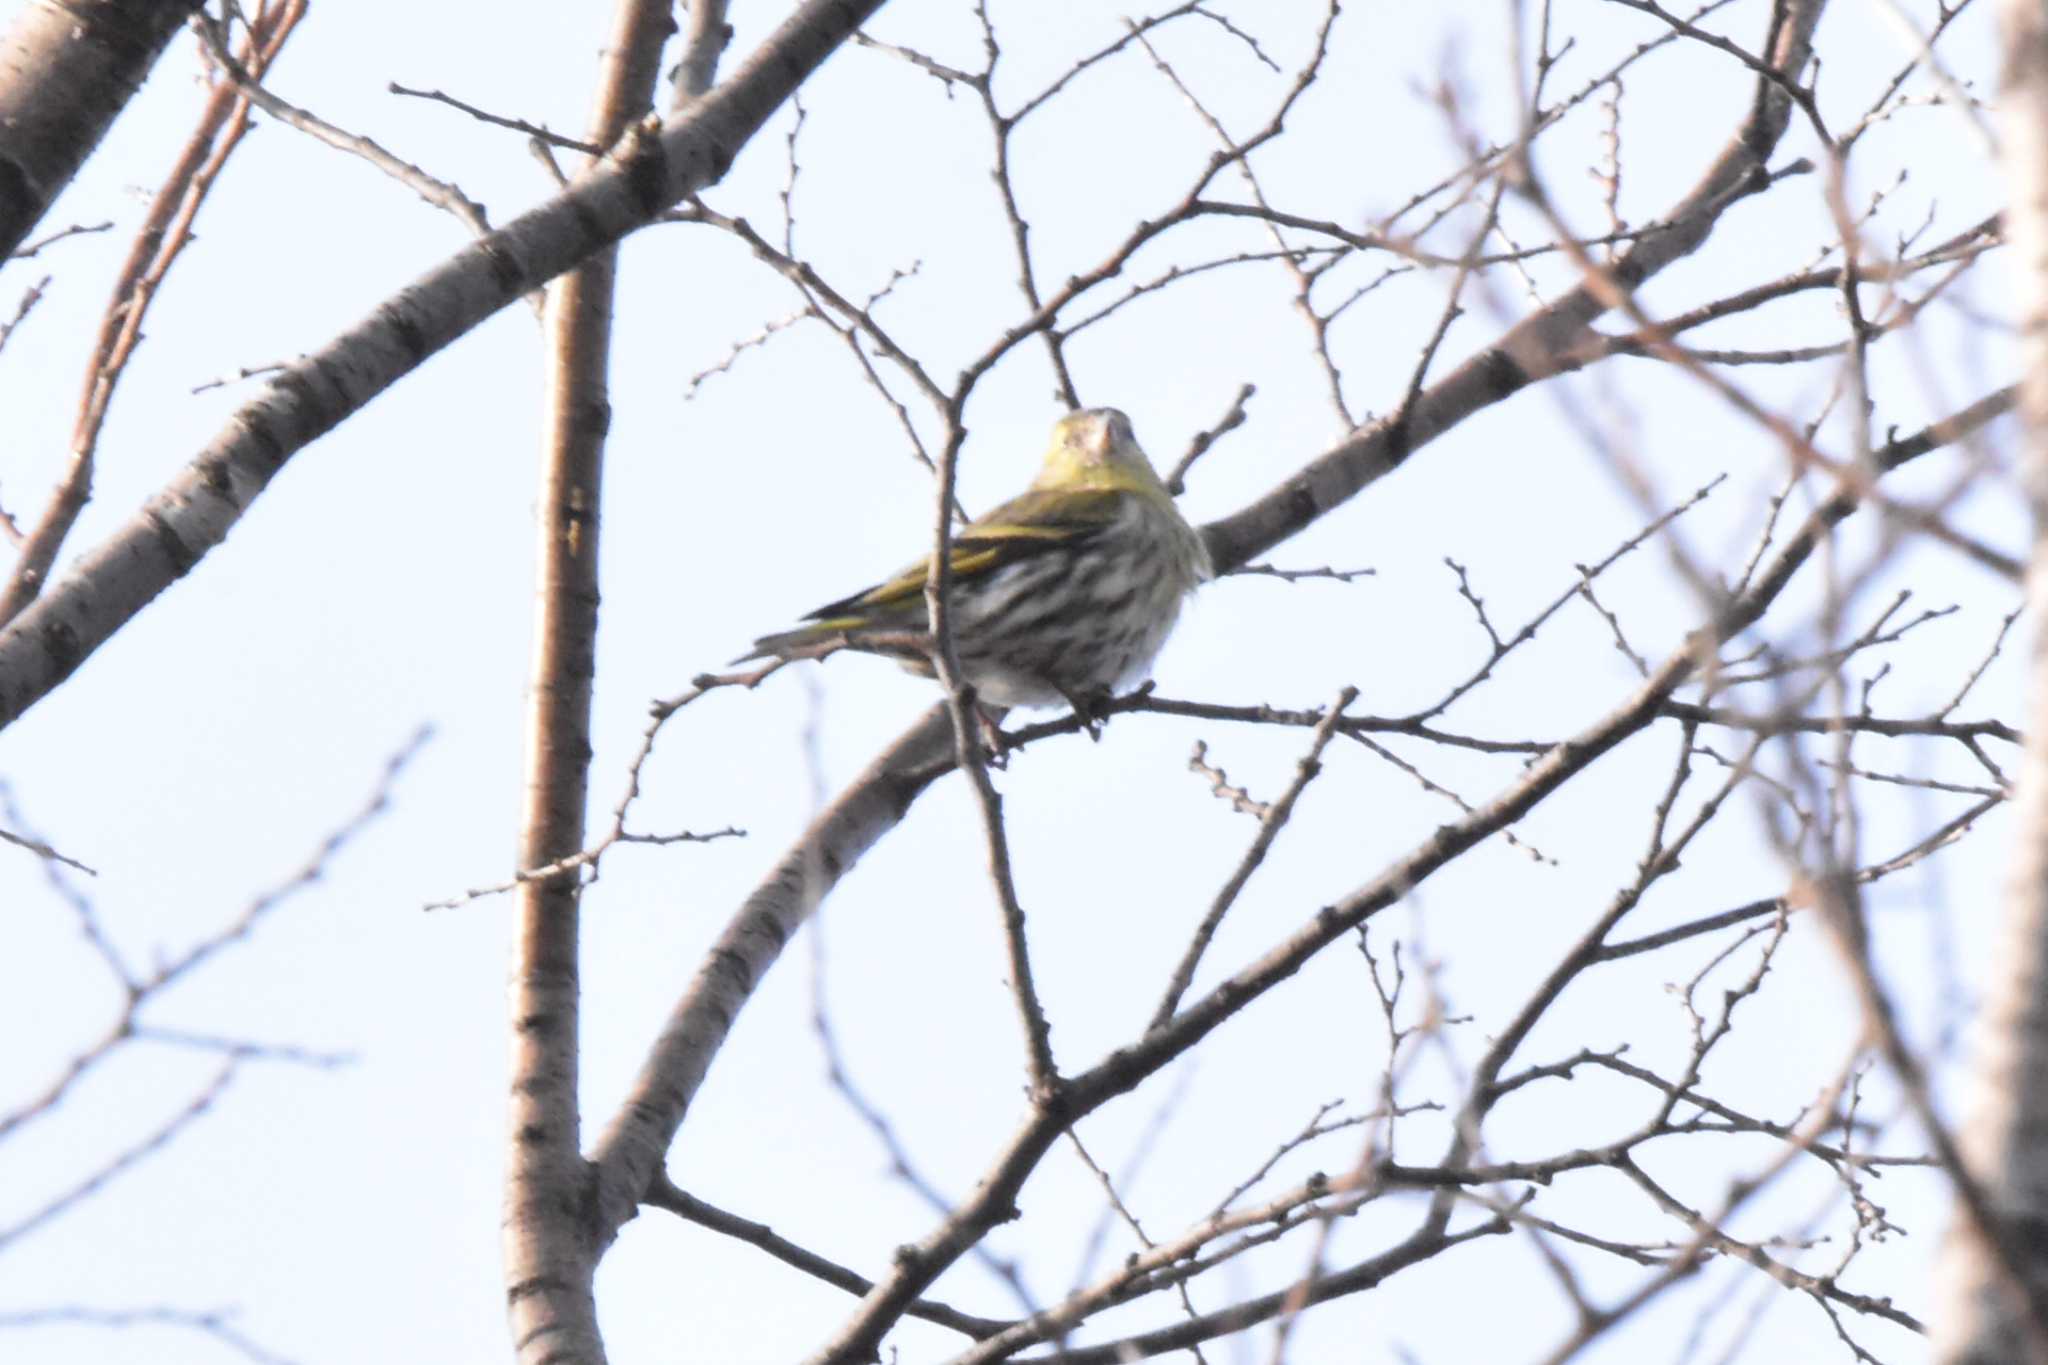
(1064, 593)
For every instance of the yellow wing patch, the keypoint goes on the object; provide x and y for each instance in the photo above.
(970, 556)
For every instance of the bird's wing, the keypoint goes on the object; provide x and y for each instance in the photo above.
(1034, 523)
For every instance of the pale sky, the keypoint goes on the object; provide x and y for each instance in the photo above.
(384, 583)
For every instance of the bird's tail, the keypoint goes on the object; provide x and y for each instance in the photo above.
(802, 643)
(871, 633)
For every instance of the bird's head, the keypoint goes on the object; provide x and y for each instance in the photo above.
(1094, 448)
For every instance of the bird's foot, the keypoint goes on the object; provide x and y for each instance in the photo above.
(995, 745)
(1091, 708)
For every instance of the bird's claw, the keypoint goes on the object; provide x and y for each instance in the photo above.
(995, 745)
(1091, 709)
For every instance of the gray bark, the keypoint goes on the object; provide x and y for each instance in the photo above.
(1994, 1267)
(1541, 345)
(550, 1255)
(633, 1147)
(66, 68)
(177, 527)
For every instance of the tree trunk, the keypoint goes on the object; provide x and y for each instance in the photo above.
(1994, 1271)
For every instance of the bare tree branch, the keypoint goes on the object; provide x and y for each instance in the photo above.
(649, 171)
(1994, 1268)
(69, 70)
(550, 1258)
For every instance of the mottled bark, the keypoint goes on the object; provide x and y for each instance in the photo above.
(550, 1251)
(66, 68)
(160, 241)
(1994, 1267)
(1542, 344)
(642, 177)
(704, 38)
(632, 1149)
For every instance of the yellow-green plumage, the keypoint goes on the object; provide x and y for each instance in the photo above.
(1067, 590)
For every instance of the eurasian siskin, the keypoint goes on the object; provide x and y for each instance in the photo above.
(1063, 593)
